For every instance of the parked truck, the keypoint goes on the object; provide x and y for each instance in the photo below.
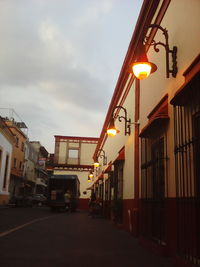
(57, 188)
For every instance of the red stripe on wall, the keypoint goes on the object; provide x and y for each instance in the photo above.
(83, 203)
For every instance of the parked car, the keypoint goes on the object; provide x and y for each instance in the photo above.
(39, 200)
(30, 200)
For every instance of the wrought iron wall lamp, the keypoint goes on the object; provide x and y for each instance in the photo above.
(90, 176)
(96, 162)
(103, 156)
(173, 70)
(112, 130)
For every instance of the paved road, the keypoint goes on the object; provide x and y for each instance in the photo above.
(37, 237)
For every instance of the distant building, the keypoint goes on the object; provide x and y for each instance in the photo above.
(73, 155)
(31, 162)
(7, 140)
(41, 174)
(18, 156)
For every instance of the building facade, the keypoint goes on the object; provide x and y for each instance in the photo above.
(7, 140)
(150, 182)
(16, 185)
(73, 155)
(41, 181)
(30, 166)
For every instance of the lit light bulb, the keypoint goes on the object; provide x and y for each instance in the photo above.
(96, 164)
(141, 70)
(112, 131)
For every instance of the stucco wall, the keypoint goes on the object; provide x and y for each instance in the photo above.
(62, 152)
(114, 144)
(183, 30)
(87, 151)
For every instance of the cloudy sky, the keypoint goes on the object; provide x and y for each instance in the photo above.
(60, 61)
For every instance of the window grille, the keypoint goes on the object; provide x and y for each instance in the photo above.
(154, 185)
(118, 191)
(187, 170)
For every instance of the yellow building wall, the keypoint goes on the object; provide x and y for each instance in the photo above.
(17, 152)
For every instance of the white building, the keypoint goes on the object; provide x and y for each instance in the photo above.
(6, 147)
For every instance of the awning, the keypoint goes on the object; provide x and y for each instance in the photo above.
(192, 81)
(121, 155)
(157, 118)
(153, 125)
(108, 168)
(184, 94)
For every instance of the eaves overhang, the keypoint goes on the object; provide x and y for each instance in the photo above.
(147, 13)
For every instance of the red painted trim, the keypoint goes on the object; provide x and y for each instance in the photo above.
(157, 109)
(189, 74)
(58, 137)
(83, 203)
(157, 116)
(109, 168)
(192, 69)
(121, 155)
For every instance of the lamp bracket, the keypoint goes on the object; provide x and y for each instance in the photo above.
(135, 122)
(103, 156)
(172, 51)
(127, 121)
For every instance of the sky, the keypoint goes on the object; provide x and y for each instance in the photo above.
(60, 61)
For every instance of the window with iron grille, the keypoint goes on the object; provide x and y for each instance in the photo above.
(187, 169)
(153, 185)
(118, 191)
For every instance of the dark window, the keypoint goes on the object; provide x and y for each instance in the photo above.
(22, 146)
(6, 171)
(153, 191)
(187, 169)
(17, 141)
(118, 191)
(73, 153)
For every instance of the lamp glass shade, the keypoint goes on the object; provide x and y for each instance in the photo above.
(90, 175)
(141, 69)
(111, 131)
(89, 179)
(96, 164)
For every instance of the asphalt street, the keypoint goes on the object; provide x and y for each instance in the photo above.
(37, 237)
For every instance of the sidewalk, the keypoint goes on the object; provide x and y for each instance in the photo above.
(102, 244)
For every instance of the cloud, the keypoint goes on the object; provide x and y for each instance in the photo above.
(59, 63)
